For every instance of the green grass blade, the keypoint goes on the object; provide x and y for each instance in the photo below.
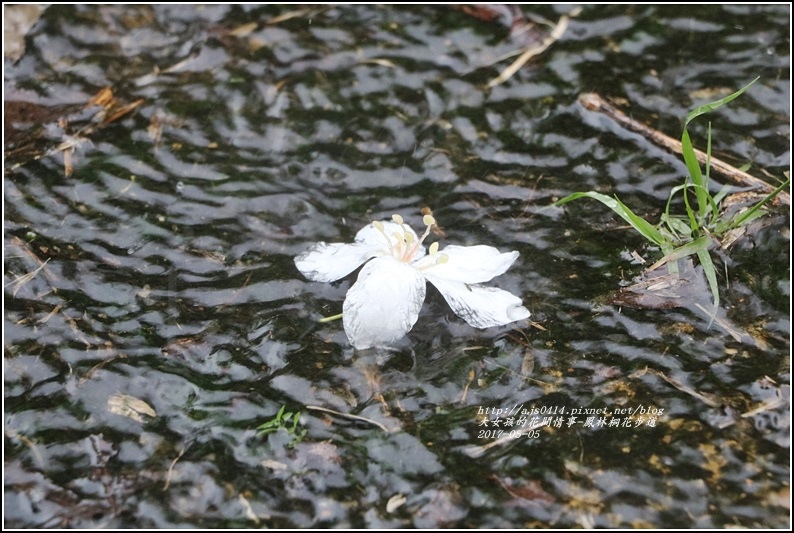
(693, 166)
(714, 210)
(678, 227)
(688, 151)
(711, 277)
(672, 266)
(695, 247)
(744, 218)
(666, 218)
(642, 226)
(711, 106)
(693, 223)
(720, 196)
(606, 200)
(708, 155)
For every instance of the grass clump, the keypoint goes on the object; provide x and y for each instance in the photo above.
(703, 224)
(286, 421)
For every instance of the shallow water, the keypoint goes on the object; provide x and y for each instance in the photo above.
(167, 321)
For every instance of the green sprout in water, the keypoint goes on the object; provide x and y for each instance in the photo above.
(286, 421)
(696, 232)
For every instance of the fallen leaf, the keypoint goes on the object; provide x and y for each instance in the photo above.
(18, 19)
(395, 502)
(102, 98)
(130, 406)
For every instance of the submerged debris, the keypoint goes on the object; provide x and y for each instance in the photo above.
(657, 289)
(34, 131)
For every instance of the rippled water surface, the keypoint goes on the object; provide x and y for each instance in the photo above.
(154, 317)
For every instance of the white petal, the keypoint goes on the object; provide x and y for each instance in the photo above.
(480, 307)
(384, 303)
(330, 262)
(472, 264)
(371, 236)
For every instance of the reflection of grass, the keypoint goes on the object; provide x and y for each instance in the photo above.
(286, 421)
(696, 232)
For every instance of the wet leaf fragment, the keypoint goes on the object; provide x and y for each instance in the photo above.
(18, 19)
(131, 407)
(395, 502)
(35, 131)
(112, 108)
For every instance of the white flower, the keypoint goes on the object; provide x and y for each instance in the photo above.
(384, 303)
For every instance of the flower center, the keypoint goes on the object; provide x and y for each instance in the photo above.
(403, 245)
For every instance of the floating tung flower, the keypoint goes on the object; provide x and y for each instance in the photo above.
(384, 303)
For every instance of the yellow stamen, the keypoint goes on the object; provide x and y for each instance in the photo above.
(379, 226)
(405, 246)
(428, 221)
(400, 243)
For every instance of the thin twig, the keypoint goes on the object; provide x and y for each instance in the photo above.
(768, 405)
(737, 336)
(20, 281)
(30, 444)
(51, 314)
(171, 468)
(594, 102)
(529, 53)
(468, 384)
(709, 399)
(346, 415)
